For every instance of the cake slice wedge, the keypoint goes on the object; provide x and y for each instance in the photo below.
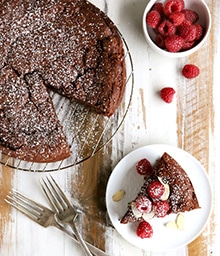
(29, 128)
(181, 195)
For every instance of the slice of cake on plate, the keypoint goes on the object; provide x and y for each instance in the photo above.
(167, 190)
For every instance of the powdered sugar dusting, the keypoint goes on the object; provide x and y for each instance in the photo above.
(62, 45)
(182, 196)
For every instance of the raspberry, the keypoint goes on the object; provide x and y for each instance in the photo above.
(166, 28)
(199, 31)
(144, 167)
(187, 32)
(186, 22)
(159, 41)
(167, 94)
(177, 18)
(188, 45)
(190, 15)
(153, 19)
(174, 43)
(173, 6)
(144, 230)
(161, 208)
(155, 189)
(190, 71)
(143, 204)
(158, 7)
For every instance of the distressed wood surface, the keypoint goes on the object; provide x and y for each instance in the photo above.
(191, 122)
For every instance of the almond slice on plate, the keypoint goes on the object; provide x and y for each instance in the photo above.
(177, 224)
(180, 221)
(171, 225)
(118, 195)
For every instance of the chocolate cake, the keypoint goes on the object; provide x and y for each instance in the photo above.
(29, 127)
(182, 196)
(69, 46)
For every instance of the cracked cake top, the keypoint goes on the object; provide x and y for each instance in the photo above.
(68, 46)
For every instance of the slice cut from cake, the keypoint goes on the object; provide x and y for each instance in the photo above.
(29, 128)
(178, 193)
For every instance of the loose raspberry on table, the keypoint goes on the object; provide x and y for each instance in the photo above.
(167, 94)
(174, 43)
(190, 15)
(144, 167)
(143, 204)
(160, 208)
(155, 189)
(153, 19)
(173, 6)
(190, 71)
(144, 230)
(166, 28)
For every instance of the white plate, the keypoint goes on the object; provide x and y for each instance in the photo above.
(125, 177)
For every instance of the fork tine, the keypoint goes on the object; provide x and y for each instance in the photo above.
(49, 195)
(52, 195)
(17, 200)
(27, 200)
(57, 189)
(56, 196)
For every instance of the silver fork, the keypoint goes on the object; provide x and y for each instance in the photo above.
(65, 211)
(42, 215)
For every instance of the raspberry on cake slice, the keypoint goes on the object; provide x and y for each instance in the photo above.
(169, 189)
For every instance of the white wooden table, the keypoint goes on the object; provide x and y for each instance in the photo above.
(191, 122)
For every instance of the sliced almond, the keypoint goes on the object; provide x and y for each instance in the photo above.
(180, 221)
(171, 225)
(118, 195)
(148, 216)
(166, 193)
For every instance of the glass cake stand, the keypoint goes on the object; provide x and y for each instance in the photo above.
(86, 132)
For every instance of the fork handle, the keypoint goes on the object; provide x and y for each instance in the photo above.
(79, 238)
(96, 251)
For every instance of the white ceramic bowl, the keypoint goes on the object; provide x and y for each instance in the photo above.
(198, 6)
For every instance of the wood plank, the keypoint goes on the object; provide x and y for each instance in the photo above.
(88, 185)
(195, 125)
(6, 180)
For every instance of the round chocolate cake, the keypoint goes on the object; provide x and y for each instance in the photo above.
(69, 46)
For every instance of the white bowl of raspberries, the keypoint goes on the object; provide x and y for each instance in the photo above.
(176, 28)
